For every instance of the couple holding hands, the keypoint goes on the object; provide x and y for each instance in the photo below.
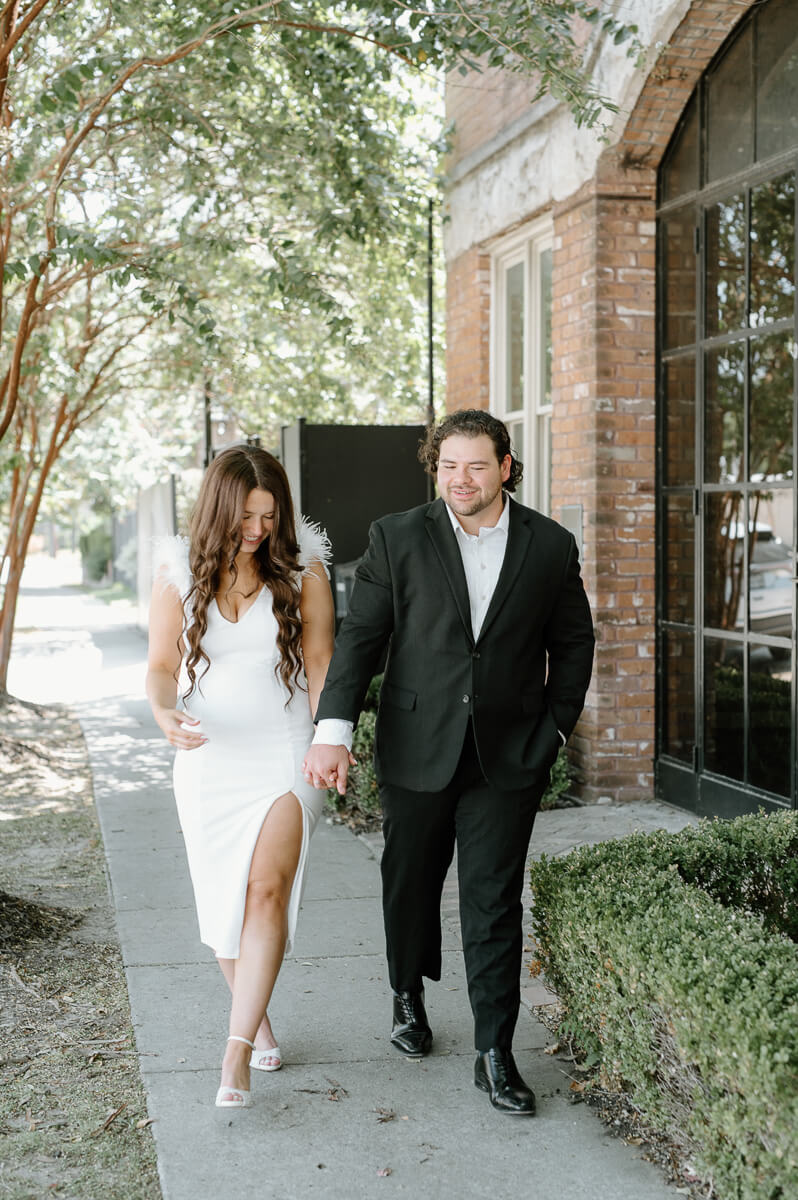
(479, 603)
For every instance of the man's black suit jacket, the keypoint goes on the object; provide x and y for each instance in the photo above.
(523, 679)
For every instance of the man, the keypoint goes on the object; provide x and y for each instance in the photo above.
(480, 603)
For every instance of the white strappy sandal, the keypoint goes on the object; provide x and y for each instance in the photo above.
(266, 1060)
(237, 1097)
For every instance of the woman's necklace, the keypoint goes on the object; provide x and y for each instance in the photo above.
(244, 595)
(239, 590)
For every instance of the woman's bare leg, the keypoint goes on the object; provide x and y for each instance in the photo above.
(264, 1039)
(264, 931)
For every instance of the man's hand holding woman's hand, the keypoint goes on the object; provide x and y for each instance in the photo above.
(174, 726)
(328, 766)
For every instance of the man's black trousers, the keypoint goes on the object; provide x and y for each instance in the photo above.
(491, 830)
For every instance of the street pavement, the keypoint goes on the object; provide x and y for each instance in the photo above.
(347, 1117)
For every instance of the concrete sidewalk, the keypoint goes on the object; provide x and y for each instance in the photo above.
(346, 1108)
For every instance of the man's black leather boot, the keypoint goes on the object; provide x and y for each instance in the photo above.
(495, 1072)
(411, 1033)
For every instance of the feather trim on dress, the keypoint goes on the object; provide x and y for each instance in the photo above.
(170, 563)
(170, 556)
(314, 545)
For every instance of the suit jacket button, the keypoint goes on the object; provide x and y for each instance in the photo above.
(466, 699)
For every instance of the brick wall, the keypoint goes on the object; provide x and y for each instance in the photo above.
(605, 253)
(603, 422)
(468, 331)
(573, 481)
(481, 106)
(603, 441)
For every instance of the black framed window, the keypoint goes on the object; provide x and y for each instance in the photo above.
(727, 345)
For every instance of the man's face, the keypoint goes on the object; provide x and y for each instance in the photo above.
(469, 475)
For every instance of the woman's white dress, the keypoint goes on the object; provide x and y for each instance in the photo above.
(257, 738)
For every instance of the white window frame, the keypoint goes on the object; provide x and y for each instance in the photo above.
(530, 426)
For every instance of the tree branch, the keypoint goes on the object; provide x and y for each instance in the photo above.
(224, 25)
(20, 29)
(10, 385)
(353, 34)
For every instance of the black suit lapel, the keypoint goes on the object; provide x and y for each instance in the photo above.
(519, 541)
(439, 528)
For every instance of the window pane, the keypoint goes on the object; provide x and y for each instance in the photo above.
(678, 725)
(545, 327)
(680, 421)
(517, 433)
(770, 582)
(543, 434)
(679, 581)
(769, 719)
(679, 266)
(680, 171)
(724, 732)
(514, 335)
(771, 390)
(777, 78)
(516, 430)
(773, 250)
(726, 266)
(730, 127)
(724, 560)
(724, 414)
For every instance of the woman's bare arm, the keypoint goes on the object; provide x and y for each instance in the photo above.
(318, 629)
(163, 666)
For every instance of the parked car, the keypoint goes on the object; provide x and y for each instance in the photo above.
(771, 585)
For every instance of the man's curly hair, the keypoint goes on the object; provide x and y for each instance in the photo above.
(471, 422)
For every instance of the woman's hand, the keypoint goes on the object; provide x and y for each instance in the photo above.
(328, 766)
(173, 724)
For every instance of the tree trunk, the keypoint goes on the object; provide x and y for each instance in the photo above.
(19, 542)
(7, 615)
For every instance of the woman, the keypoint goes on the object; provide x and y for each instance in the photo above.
(241, 633)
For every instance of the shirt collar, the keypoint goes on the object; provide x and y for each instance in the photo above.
(503, 522)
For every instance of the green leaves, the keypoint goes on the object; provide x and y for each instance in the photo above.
(674, 954)
(15, 270)
(256, 208)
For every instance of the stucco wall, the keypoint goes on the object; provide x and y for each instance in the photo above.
(513, 158)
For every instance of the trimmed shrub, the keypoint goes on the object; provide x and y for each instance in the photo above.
(95, 551)
(558, 781)
(672, 957)
(362, 791)
(363, 777)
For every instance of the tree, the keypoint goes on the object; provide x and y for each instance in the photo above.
(142, 144)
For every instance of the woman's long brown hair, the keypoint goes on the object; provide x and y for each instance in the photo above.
(214, 542)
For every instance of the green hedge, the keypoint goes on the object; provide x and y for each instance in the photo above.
(362, 790)
(95, 551)
(673, 957)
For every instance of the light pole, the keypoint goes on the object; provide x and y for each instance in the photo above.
(430, 339)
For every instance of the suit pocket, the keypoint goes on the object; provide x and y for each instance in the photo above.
(543, 745)
(532, 701)
(396, 697)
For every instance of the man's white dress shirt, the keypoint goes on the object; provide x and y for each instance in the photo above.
(482, 555)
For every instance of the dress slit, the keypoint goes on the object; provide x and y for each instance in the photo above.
(297, 883)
